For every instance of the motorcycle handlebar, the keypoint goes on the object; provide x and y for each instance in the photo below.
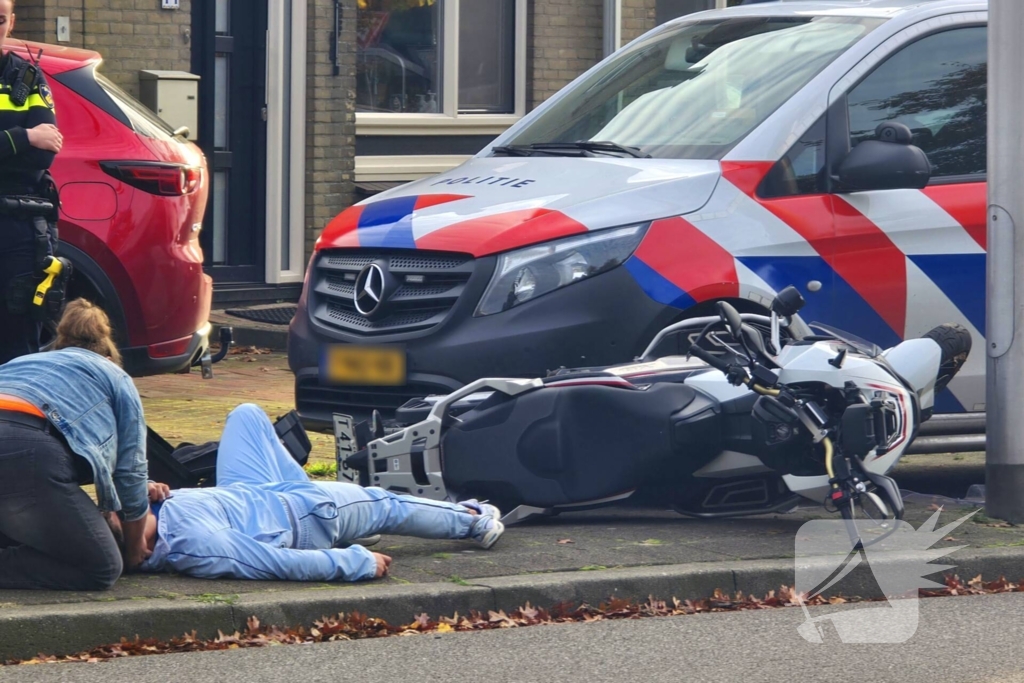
(709, 358)
(719, 364)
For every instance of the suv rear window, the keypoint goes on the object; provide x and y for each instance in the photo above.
(103, 93)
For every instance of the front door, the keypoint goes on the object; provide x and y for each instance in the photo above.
(921, 253)
(230, 53)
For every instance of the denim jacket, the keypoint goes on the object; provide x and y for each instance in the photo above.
(96, 406)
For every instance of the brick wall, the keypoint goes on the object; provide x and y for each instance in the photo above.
(132, 35)
(330, 118)
(30, 21)
(638, 17)
(566, 39)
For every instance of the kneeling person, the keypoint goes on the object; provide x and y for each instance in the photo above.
(265, 519)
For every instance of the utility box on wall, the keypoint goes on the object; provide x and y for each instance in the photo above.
(174, 96)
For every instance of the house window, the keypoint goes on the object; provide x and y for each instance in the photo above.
(399, 51)
(439, 57)
(487, 54)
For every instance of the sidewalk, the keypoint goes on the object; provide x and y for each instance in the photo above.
(627, 551)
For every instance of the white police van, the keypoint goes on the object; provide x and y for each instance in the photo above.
(714, 158)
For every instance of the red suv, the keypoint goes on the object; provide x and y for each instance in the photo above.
(133, 196)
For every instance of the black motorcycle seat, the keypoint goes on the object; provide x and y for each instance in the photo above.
(563, 445)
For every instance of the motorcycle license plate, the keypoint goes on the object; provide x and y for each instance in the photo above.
(345, 447)
(372, 365)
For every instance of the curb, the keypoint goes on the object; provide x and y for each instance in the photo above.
(67, 629)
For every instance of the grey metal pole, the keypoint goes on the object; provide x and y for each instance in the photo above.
(612, 26)
(1004, 400)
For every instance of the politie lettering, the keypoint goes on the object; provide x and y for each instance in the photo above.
(486, 180)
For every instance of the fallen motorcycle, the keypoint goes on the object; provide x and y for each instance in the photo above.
(758, 417)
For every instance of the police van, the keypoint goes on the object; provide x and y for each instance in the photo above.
(713, 158)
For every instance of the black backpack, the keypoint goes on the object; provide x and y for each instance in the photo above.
(195, 465)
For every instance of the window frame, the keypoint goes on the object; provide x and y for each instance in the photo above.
(837, 129)
(449, 120)
(822, 182)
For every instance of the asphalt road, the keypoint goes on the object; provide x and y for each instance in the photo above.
(958, 639)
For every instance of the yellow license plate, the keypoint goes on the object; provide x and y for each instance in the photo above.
(375, 365)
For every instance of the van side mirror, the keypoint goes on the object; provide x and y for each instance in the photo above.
(889, 162)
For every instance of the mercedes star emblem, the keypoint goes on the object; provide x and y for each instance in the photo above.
(369, 289)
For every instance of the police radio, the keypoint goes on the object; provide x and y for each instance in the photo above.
(24, 82)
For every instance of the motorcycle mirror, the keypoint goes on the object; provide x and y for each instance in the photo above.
(731, 317)
(788, 302)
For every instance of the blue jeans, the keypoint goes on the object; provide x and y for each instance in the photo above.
(52, 536)
(328, 513)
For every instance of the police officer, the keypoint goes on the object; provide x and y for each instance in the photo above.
(29, 140)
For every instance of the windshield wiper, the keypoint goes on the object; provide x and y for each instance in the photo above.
(555, 148)
(593, 146)
(514, 150)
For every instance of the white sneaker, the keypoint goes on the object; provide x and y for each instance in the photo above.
(486, 530)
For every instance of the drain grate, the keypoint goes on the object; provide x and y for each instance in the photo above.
(278, 315)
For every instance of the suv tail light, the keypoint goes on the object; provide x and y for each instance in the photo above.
(166, 180)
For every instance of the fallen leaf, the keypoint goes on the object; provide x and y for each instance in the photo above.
(528, 612)
(565, 541)
(497, 616)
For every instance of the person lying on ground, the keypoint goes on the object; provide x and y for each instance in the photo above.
(266, 519)
(68, 417)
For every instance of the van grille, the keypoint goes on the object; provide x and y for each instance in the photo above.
(422, 287)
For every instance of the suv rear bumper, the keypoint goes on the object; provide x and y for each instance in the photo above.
(603, 320)
(139, 361)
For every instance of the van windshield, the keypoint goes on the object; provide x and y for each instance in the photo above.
(692, 90)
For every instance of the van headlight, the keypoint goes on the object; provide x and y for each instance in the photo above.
(525, 274)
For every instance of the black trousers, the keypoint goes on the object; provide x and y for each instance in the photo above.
(52, 536)
(19, 334)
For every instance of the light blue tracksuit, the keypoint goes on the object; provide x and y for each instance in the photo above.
(266, 520)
